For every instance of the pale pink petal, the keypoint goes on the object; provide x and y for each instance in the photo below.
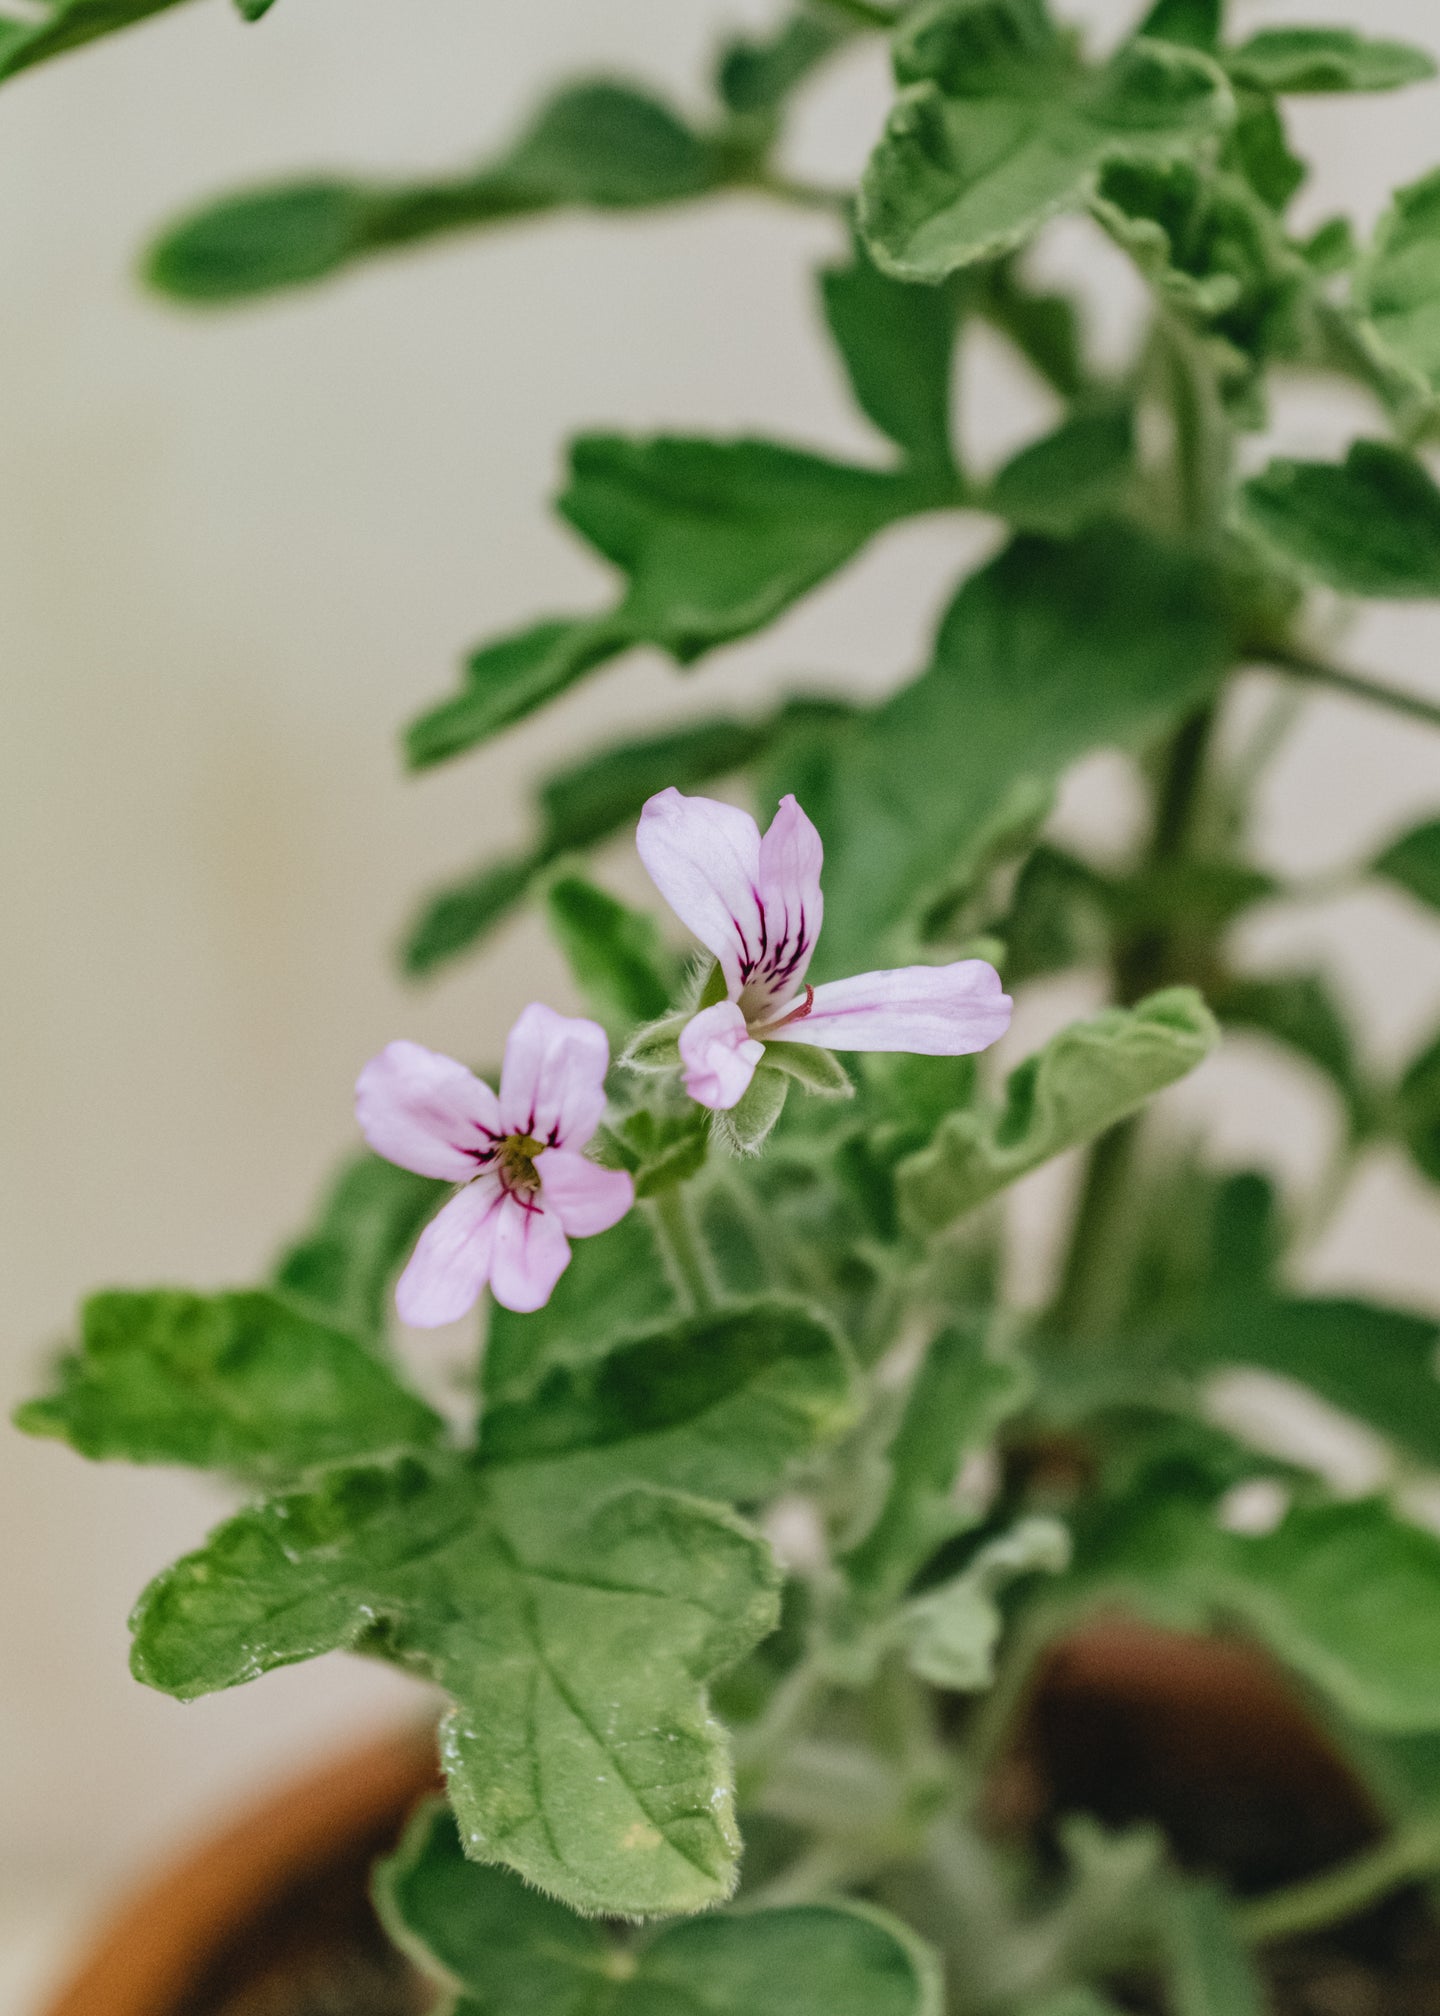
(531, 1253)
(553, 1084)
(790, 861)
(426, 1112)
(585, 1197)
(704, 858)
(451, 1261)
(719, 1055)
(934, 1011)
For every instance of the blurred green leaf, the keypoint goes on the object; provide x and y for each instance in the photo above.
(1000, 127)
(597, 145)
(452, 919)
(896, 343)
(1398, 286)
(510, 1952)
(1367, 526)
(1194, 24)
(616, 954)
(253, 9)
(236, 1382)
(950, 1634)
(1300, 1011)
(813, 1069)
(341, 1270)
(66, 24)
(1326, 59)
(659, 1149)
(1084, 1080)
(1259, 150)
(574, 1637)
(1053, 649)
(1211, 1973)
(1045, 328)
(1077, 474)
(509, 679)
(755, 76)
(1413, 863)
(1417, 1105)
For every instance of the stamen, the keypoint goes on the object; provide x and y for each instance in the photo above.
(796, 1014)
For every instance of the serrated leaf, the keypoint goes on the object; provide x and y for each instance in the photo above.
(1070, 477)
(1374, 1363)
(1398, 287)
(341, 1270)
(597, 145)
(616, 955)
(1084, 1080)
(1053, 649)
(66, 24)
(615, 1283)
(1417, 1110)
(1348, 1595)
(959, 1397)
(896, 343)
(511, 1953)
(235, 1382)
(1326, 59)
(755, 77)
(1367, 526)
(748, 1125)
(1413, 863)
(950, 1635)
(1001, 128)
(1211, 1973)
(574, 1637)
(816, 1070)
(720, 1404)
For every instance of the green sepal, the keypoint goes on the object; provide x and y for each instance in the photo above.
(235, 1382)
(656, 1047)
(816, 1070)
(508, 1952)
(748, 1125)
(1084, 1080)
(1367, 526)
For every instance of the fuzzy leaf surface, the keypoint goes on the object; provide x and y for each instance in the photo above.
(574, 1637)
(1000, 128)
(237, 1382)
(511, 1953)
(1084, 1080)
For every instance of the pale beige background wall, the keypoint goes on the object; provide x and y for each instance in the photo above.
(235, 552)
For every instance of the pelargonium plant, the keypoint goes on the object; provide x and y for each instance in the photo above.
(771, 1511)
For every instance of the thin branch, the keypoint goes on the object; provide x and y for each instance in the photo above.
(1338, 1894)
(1316, 672)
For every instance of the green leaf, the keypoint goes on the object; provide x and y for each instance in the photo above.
(1413, 863)
(341, 1271)
(236, 1382)
(574, 1637)
(454, 918)
(960, 1396)
(950, 1635)
(1348, 1595)
(66, 24)
(1001, 128)
(896, 343)
(616, 954)
(596, 145)
(1398, 286)
(818, 1071)
(509, 1952)
(1045, 328)
(1194, 24)
(659, 1149)
(615, 1283)
(1367, 526)
(1417, 1110)
(720, 1404)
(1084, 1080)
(1078, 473)
(1211, 1972)
(1325, 59)
(1052, 650)
(1260, 151)
(748, 1125)
(1375, 1363)
(754, 78)
(251, 10)
(509, 679)
(717, 538)
(1300, 1011)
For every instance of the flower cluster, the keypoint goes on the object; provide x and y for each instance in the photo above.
(526, 1188)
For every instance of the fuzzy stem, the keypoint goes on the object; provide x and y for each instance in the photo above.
(680, 1243)
(1316, 672)
(1328, 1899)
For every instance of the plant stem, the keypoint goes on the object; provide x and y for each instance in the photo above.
(1318, 673)
(680, 1243)
(1338, 1894)
(807, 195)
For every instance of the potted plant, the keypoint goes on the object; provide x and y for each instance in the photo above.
(817, 1629)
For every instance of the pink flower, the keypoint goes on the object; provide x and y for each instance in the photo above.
(527, 1189)
(756, 904)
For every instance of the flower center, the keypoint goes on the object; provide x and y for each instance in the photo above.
(516, 1156)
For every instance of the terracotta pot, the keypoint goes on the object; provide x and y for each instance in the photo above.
(291, 1872)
